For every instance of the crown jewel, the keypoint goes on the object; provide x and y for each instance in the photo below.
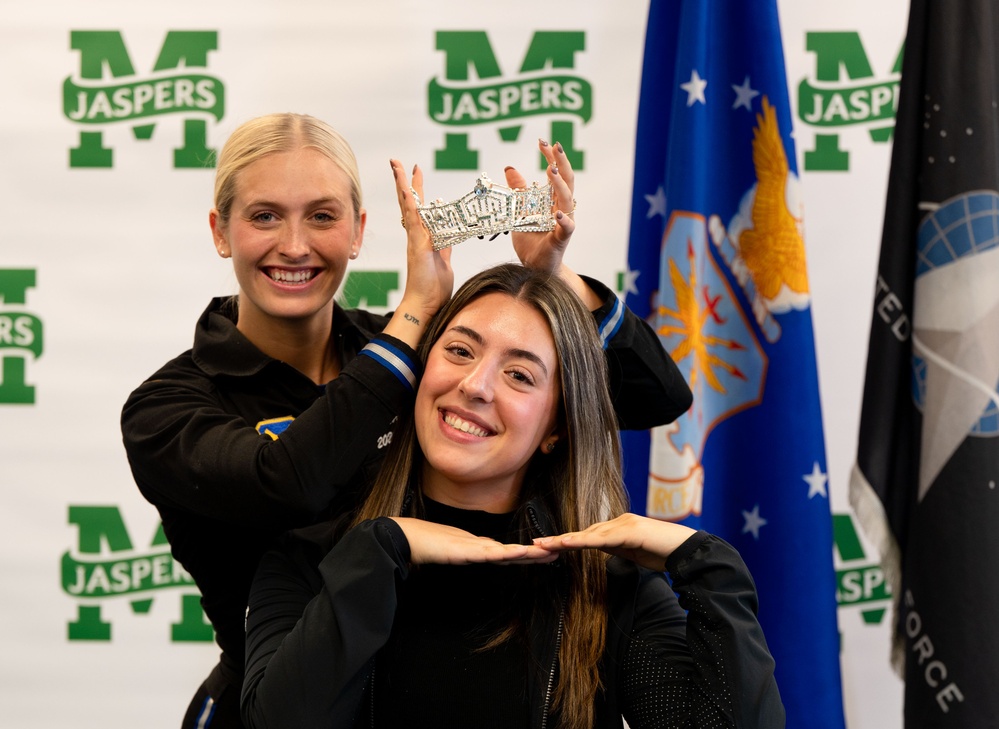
(489, 209)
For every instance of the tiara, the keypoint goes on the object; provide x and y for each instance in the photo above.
(489, 209)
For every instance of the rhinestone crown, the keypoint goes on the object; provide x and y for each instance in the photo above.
(488, 210)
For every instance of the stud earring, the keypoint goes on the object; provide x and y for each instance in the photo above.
(549, 447)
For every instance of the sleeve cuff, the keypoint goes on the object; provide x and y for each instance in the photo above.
(397, 537)
(685, 551)
(396, 357)
(610, 315)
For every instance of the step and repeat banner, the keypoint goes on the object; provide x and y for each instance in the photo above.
(106, 260)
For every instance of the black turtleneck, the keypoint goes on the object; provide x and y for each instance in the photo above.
(434, 672)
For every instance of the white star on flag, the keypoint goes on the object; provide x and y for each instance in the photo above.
(694, 88)
(657, 203)
(628, 282)
(744, 95)
(816, 481)
(753, 521)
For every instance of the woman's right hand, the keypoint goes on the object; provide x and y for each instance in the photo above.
(429, 277)
(432, 543)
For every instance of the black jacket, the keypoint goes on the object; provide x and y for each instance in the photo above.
(204, 443)
(319, 615)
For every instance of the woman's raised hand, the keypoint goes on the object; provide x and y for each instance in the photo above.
(429, 278)
(647, 542)
(546, 250)
(431, 543)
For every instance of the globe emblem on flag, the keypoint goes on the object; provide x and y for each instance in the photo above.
(956, 244)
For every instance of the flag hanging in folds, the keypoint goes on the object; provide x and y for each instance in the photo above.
(716, 263)
(924, 486)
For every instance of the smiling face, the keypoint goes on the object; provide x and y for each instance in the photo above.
(487, 402)
(290, 232)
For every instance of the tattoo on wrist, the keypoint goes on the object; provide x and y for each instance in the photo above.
(410, 317)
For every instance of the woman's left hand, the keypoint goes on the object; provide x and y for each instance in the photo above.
(545, 251)
(647, 542)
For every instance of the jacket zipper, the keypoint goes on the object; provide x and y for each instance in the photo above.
(532, 515)
(371, 687)
(551, 672)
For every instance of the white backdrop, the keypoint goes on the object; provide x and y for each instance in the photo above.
(103, 272)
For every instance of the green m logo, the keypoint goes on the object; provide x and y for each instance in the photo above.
(106, 567)
(860, 582)
(95, 100)
(542, 88)
(832, 102)
(20, 335)
(368, 289)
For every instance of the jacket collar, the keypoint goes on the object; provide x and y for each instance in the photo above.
(221, 349)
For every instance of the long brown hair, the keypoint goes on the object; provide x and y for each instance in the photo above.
(579, 483)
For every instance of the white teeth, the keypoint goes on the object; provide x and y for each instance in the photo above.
(291, 276)
(463, 425)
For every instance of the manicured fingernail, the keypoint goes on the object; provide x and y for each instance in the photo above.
(554, 169)
(542, 142)
(558, 215)
(508, 168)
(415, 168)
(558, 146)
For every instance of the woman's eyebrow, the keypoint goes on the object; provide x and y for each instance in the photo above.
(329, 200)
(528, 354)
(511, 352)
(468, 332)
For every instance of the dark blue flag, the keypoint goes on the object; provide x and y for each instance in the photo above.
(717, 265)
(928, 450)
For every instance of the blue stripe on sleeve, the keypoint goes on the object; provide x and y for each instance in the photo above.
(398, 363)
(204, 718)
(611, 323)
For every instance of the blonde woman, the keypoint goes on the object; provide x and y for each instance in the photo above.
(278, 415)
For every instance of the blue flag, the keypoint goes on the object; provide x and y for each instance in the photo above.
(716, 263)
